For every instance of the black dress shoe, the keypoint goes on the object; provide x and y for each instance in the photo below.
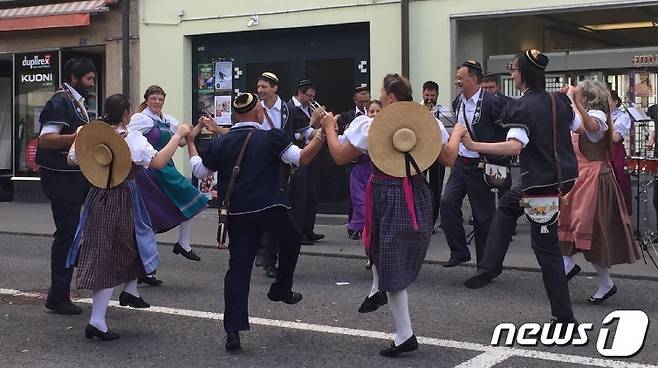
(478, 281)
(232, 341)
(574, 271)
(611, 292)
(315, 237)
(308, 242)
(178, 249)
(92, 331)
(64, 308)
(131, 300)
(454, 261)
(290, 298)
(350, 233)
(356, 235)
(270, 271)
(392, 351)
(372, 303)
(149, 280)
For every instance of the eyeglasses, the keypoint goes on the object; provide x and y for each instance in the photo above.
(312, 97)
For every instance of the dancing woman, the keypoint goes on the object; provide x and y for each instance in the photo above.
(399, 225)
(115, 242)
(170, 198)
(604, 234)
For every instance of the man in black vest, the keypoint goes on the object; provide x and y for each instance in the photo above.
(257, 206)
(303, 196)
(64, 185)
(539, 177)
(478, 111)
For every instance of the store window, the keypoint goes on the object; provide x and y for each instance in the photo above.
(36, 78)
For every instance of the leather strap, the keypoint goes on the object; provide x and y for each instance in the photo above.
(269, 119)
(555, 152)
(236, 170)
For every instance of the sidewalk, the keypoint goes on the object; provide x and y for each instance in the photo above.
(36, 219)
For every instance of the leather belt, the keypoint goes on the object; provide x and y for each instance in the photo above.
(469, 160)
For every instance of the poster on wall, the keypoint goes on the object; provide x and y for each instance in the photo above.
(35, 71)
(223, 110)
(206, 78)
(206, 104)
(208, 186)
(223, 75)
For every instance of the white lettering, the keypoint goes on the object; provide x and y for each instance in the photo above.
(629, 337)
(511, 331)
(31, 78)
(529, 330)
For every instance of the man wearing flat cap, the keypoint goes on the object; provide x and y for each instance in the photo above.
(257, 205)
(548, 168)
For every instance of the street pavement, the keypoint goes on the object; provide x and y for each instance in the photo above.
(183, 328)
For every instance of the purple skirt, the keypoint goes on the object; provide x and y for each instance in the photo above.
(358, 182)
(164, 214)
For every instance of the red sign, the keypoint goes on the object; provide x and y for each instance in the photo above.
(31, 154)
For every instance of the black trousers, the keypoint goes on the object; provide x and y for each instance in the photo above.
(303, 199)
(466, 179)
(67, 192)
(545, 246)
(244, 233)
(437, 174)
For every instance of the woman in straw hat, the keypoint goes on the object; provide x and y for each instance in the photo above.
(115, 242)
(170, 198)
(403, 142)
(603, 235)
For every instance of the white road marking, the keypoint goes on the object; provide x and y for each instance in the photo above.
(487, 359)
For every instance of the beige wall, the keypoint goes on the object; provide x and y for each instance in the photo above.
(104, 31)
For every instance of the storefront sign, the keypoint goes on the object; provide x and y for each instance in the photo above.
(645, 59)
(36, 70)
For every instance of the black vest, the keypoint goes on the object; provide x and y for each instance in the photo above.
(533, 111)
(486, 127)
(63, 110)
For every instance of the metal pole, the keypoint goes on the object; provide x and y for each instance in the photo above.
(404, 5)
(125, 43)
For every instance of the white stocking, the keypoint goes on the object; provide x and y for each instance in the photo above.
(375, 282)
(184, 235)
(399, 304)
(605, 282)
(131, 288)
(100, 300)
(569, 263)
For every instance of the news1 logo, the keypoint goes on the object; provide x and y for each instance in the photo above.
(626, 340)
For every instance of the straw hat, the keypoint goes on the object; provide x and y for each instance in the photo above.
(403, 127)
(97, 147)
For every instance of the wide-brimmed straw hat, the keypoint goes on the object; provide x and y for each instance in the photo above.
(103, 155)
(401, 128)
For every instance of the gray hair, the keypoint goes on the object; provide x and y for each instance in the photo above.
(597, 95)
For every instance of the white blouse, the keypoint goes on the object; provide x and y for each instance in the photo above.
(143, 121)
(141, 150)
(357, 133)
(600, 117)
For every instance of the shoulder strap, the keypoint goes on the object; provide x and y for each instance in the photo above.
(236, 169)
(269, 119)
(555, 152)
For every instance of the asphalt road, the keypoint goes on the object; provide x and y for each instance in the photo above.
(456, 323)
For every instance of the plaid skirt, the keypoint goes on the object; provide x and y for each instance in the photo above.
(108, 254)
(398, 250)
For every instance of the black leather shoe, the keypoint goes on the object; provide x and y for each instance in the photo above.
(149, 280)
(392, 351)
(131, 300)
(291, 298)
(178, 249)
(574, 271)
(372, 303)
(64, 308)
(232, 341)
(92, 331)
(270, 271)
(350, 233)
(308, 242)
(478, 281)
(611, 292)
(356, 235)
(453, 261)
(315, 237)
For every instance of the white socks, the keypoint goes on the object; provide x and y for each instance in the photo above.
(399, 304)
(375, 282)
(569, 263)
(605, 282)
(100, 300)
(131, 288)
(184, 234)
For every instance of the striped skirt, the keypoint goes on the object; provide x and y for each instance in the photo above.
(108, 254)
(398, 250)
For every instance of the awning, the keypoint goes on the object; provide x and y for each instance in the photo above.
(70, 14)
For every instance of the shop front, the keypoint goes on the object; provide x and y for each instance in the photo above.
(31, 61)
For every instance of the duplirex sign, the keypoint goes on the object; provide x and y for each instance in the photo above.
(36, 71)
